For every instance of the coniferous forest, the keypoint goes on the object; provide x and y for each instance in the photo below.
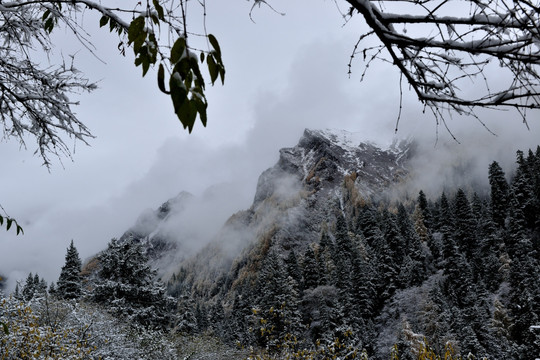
(449, 277)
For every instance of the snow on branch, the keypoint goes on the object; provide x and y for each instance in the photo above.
(34, 101)
(442, 46)
(34, 98)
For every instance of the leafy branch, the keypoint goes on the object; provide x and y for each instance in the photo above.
(9, 224)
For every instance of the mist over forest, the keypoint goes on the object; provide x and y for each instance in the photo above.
(341, 252)
(270, 179)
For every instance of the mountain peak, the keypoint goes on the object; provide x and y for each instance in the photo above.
(322, 158)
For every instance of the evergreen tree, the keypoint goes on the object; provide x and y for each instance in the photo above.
(343, 259)
(293, 269)
(533, 167)
(368, 225)
(128, 287)
(477, 207)
(201, 314)
(240, 314)
(436, 318)
(17, 293)
(464, 224)
(41, 287)
(217, 316)
(310, 269)
(29, 288)
(446, 216)
(325, 243)
(52, 289)
(424, 208)
(486, 261)
(69, 284)
(499, 193)
(420, 226)
(459, 277)
(364, 287)
(525, 296)
(394, 237)
(536, 178)
(517, 225)
(501, 324)
(327, 252)
(277, 314)
(343, 247)
(322, 313)
(186, 321)
(383, 273)
(523, 191)
(415, 267)
(34, 287)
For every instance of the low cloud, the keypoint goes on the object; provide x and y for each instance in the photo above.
(90, 210)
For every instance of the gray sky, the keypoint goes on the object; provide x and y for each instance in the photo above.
(284, 73)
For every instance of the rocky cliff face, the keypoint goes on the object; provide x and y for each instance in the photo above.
(292, 200)
(297, 194)
(322, 159)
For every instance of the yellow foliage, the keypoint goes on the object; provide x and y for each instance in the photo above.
(427, 353)
(28, 339)
(311, 174)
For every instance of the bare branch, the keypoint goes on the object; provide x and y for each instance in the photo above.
(34, 99)
(500, 32)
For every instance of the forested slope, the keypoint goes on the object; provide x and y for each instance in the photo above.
(457, 270)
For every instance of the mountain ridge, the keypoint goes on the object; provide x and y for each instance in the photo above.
(306, 176)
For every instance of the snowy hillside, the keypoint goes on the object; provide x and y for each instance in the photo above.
(327, 262)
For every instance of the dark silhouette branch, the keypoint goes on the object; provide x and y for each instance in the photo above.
(429, 42)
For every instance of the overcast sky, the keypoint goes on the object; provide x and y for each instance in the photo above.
(284, 74)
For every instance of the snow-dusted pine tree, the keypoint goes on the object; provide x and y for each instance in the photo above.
(129, 288)
(69, 284)
(310, 269)
(29, 288)
(464, 224)
(499, 193)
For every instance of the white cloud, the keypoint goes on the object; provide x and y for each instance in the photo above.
(283, 74)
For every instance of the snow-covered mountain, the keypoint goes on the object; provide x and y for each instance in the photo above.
(330, 253)
(293, 197)
(322, 158)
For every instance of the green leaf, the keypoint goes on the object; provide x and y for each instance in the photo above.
(183, 68)
(201, 108)
(222, 73)
(135, 29)
(103, 21)
(46, 14)
(215, 44)
(112, 26)
(161, 79)
(178, 91)
(49, 25)
(8, 223)
(202, 57)
(6, 329)
(138, 42)
(145, 65)
(187, 113)
(152, 48)
(19, 229)
(159, 9)
(1, 220)
(177, 50)
(195, 68)
(212, 68)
